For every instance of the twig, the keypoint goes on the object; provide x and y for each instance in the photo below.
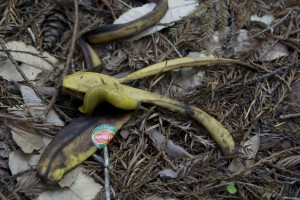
(69, 57)
(265, 30)
(289, 116)
(264, 160)
(256, 79)
(106, 173)
(171, 44)
(33, 37)
(10, 189)
(110, 8)
(125, 4)
(2, 196)
(17, 174)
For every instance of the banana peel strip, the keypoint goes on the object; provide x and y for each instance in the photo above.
(84, 81)
(73, 145)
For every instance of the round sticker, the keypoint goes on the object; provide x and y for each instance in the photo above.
(102, 135)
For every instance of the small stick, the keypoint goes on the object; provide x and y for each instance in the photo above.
(106, 173)
(32, 37)
(256, 79)
(289, 116)
(125, 4)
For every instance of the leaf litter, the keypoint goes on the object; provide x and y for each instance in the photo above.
(142, 164)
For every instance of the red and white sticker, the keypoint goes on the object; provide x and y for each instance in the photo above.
(103, 134)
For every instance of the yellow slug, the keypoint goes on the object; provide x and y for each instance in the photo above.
(99, 93)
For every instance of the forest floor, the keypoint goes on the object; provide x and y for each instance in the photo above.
(159, 154)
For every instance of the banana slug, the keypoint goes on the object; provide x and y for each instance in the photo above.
(99, 93)
(91, 82)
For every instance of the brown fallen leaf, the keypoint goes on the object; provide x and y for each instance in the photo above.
(170, 148)
(249, 151)
(82, 187)
(28, 142)
(169, 173)
(18, 162)
(4, 150)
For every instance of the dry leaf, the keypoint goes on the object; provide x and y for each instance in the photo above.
(190, 77)
(18, 162)
(124, 133)
(33, 62)
(9, 72)
(34, 159)
(177, 10)
(169, 173)
(245, 44)
(28, 142)
(271, 52)
(37, 107)
(31, 56)
(69, 178)
(249, 151)
(4, 150)
(170, 148)
(206, 142)
(83, 188)
(3, 164)
(62, 194)
(263, 22)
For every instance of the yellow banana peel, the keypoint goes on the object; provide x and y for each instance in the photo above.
(84, 81)
(73, 145)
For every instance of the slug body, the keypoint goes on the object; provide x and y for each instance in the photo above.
(99, 93)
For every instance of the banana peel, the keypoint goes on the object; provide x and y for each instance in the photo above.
(73, 144)
(83, 82)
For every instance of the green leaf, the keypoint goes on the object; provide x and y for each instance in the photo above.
(231, 189)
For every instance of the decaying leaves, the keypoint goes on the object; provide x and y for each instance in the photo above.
(37, 106)
(28, 142)
(170, 148)
(248, 153)
(76, 186)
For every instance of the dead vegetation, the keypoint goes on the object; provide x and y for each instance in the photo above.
(159, 154)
